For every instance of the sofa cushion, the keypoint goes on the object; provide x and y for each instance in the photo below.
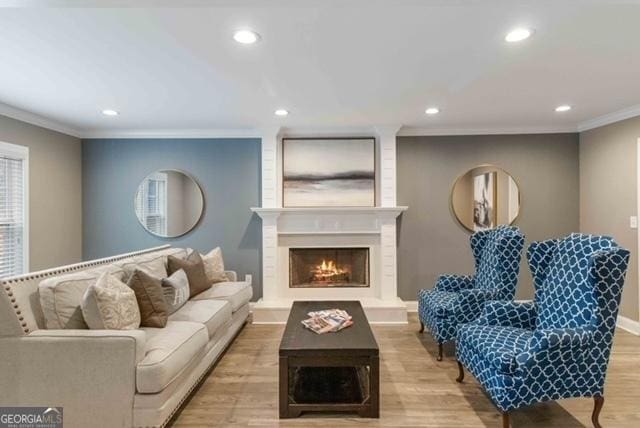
(61, 296)
(153, 264)
(168, 351)
(236, 293)
(212, 313)
(497, 345)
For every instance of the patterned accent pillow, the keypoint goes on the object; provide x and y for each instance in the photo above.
(214, 266)
(194, 268)
(110, 305)
(176, 290)
(153, 308)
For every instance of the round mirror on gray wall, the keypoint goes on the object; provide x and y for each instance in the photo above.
(168, 203)
(484, 197)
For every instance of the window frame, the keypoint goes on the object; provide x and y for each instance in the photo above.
(21, 152)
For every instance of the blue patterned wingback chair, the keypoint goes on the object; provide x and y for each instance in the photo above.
(557, 346)
(458, 299)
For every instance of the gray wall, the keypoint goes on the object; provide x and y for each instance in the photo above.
(608, 194)
(431, 242)
(228, 170)
(55, 192)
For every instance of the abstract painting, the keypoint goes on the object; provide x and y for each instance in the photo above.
(484, 202)
(328, 172)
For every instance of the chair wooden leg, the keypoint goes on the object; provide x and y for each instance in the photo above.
(460, 377)
(439, 351)
(421, 327)
(598, 402)
(506, 423)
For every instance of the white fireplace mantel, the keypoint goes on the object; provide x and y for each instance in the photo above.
(329, 220)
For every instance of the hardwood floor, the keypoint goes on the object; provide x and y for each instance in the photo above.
(416, 390)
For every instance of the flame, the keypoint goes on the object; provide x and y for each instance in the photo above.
(329, 267)
(327, 271)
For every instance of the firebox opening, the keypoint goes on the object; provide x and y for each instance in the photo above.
(328, 267)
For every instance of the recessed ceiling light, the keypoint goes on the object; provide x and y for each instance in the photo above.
(518, 35)
(281, 112)
(109, 112)
(432, 110)
(246, 37)
(562, 108)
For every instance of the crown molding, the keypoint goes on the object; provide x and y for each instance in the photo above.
(36, 119)
(172, 133)
(408, 131)
(404, 131)
(609, 118)
(387, 130)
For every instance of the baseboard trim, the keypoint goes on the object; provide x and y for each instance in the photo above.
(627, 324)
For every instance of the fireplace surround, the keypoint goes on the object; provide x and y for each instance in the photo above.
(373, 228)
(328, 267)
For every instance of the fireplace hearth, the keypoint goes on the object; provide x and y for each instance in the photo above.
(328, 267)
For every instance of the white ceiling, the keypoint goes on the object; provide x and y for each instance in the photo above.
(333, 63)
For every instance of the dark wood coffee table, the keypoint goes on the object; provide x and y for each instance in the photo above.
(332, 372)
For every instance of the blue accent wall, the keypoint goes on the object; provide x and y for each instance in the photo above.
(227, 170)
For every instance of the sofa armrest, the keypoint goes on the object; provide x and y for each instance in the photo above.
(231, 275)
(454, 283)
(509, 314)
(138, 336)
(72, 371)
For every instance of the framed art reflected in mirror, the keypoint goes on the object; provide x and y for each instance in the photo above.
(484, 197)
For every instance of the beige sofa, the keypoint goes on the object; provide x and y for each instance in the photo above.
(111, 378)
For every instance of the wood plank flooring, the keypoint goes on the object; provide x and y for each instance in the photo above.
(416, 390)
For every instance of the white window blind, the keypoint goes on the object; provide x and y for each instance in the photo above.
(13, 229)
(152, 203)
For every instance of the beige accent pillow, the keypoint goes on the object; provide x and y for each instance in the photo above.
(110, 305)
(61, 296)
(214, 266)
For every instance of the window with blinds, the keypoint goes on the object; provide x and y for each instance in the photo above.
(151, 203)
(13, 245)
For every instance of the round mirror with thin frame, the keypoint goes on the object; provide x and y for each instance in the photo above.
(168, 203)
(484, 197)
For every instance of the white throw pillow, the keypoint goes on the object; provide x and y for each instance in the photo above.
(176, 290)
(214, 266)
(110, 304)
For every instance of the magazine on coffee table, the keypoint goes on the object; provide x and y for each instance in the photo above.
(327, 321)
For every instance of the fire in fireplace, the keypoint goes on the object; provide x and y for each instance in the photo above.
(328, 267)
